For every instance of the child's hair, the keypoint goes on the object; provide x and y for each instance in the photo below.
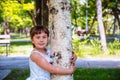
(37, 30)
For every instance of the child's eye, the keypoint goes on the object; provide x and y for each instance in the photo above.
(38, 37)
(44, 37)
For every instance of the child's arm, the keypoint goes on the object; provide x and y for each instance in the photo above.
(43, 63)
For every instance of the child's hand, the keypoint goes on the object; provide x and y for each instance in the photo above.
(72, 68)
(73, 58)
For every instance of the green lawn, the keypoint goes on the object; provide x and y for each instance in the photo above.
(97, 74)
(17, 48)
(80, 74)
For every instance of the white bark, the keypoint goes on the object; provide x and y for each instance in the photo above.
(101, 27)
(60, 35)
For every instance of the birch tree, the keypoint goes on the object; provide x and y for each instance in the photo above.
(60, 35)
(100, 24)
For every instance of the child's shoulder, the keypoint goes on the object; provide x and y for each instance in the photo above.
(34, 51)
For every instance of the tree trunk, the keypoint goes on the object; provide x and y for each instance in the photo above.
(41, 12)
(116, 19)
(115, 27)
(40, 17)
(6, 26)
(61, 35)
(101, 27)
(31, 13)
(89, 30)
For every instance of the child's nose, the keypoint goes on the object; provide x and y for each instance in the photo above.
(41, 39)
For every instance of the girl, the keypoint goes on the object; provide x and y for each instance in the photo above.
(40, 61)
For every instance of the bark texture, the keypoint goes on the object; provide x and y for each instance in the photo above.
(60, 35)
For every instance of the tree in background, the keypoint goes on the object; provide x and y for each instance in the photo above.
(41, 12)
(61, 35)
(100, 24)
(14, 15)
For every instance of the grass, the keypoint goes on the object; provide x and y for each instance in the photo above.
(20, 48)
(97, 74)
(18, 74)
(16, 47)
(92, 48)
(79, 74)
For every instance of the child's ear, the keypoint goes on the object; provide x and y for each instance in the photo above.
(32, 41)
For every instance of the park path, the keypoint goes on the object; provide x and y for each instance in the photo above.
(21, 62)
(12, 62)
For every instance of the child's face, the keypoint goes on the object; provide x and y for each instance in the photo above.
(40, 40)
